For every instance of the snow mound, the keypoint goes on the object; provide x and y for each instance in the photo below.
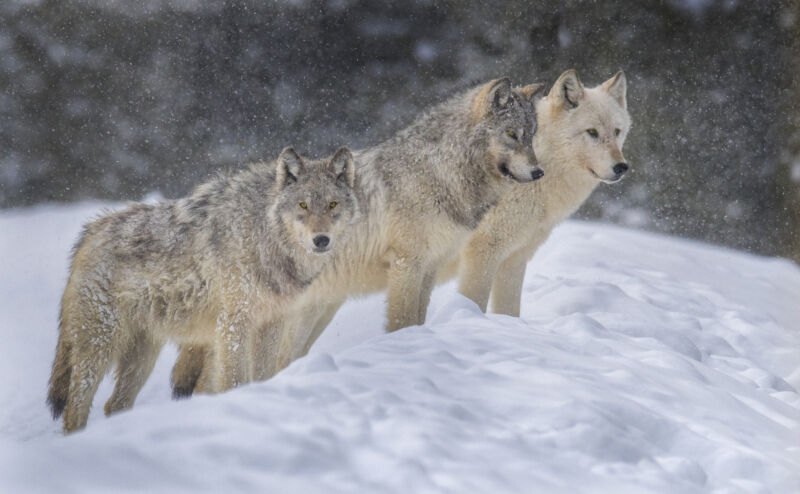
(641, 363)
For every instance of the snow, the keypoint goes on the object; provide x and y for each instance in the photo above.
(641, 363)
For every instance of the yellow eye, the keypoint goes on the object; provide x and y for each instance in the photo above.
(512, 134)
(592, 132)
(616, 131)
(304, 205)
(333, 204)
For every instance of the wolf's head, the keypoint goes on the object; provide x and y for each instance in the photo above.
(585, 127)
(315, 200)
(504, 119)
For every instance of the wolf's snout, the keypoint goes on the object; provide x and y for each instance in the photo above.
(321, 241)
(620, 169)
(537, 173)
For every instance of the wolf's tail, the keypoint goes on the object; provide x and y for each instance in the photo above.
(60, 377)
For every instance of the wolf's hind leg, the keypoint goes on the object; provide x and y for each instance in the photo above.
(135, 364)
(428, 281)
(187, 370)
(90, 361)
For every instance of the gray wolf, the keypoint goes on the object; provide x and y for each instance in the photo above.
(427, 188)
(209, 269)
(579, 143)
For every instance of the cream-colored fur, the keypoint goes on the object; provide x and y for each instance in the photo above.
(404, 242)
(494, 259)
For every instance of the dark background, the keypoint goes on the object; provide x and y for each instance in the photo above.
(115, 99)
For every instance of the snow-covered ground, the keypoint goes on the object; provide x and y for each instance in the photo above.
(641, 363)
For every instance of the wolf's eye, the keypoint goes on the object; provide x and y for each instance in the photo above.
(304, 205)
(592, 132)
(512, 134)
(333, 204)
(616, 132)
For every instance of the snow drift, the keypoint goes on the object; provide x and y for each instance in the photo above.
(641, 363)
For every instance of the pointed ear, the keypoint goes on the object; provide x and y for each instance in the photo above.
(567, 89)
(493, 96)
(532, 91)
(616, 87)
(290, 166)
(343, 166)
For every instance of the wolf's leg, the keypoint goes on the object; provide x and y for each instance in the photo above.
(428, 281)
(206, 381)
(187, 369)
(320, 324)
(265, 348)
(478, 267)
(135, 364)
(406, 276)
(90, 361)
(507, 287)
(232, 339)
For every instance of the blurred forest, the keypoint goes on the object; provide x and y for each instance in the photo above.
(113, 99)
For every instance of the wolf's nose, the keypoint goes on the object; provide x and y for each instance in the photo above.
(620, 168)
(537, 173)
(321, 241)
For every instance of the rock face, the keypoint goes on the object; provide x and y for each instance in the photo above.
(108, 99)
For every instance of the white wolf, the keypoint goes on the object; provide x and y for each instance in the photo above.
(579, 144)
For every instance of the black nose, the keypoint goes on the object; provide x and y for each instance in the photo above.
(620, 168)
(321, 241)
(537, 173)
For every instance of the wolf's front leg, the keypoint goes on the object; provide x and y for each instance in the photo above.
(232, 338)
(477, 269)
(318, 325)
(507, 286)
(406, 277)
(265, 349)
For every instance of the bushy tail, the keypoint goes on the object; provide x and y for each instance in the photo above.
(60, 377)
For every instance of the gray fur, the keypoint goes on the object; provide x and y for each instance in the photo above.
(426, 188)
(208, 268)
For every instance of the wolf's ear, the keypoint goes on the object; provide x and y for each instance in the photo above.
(532, 91)
(290, 166)
(343, 166)
(567, 89)
(616, 87)
(493, 96)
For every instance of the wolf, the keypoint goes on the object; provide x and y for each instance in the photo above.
(579, 143)
(427, 188)
(209, 269)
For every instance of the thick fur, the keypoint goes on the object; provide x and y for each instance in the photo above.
(579, 143)
(427, 189)
(211, 270)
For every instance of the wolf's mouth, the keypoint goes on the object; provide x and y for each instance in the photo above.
(605, 180)
(505, 171)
